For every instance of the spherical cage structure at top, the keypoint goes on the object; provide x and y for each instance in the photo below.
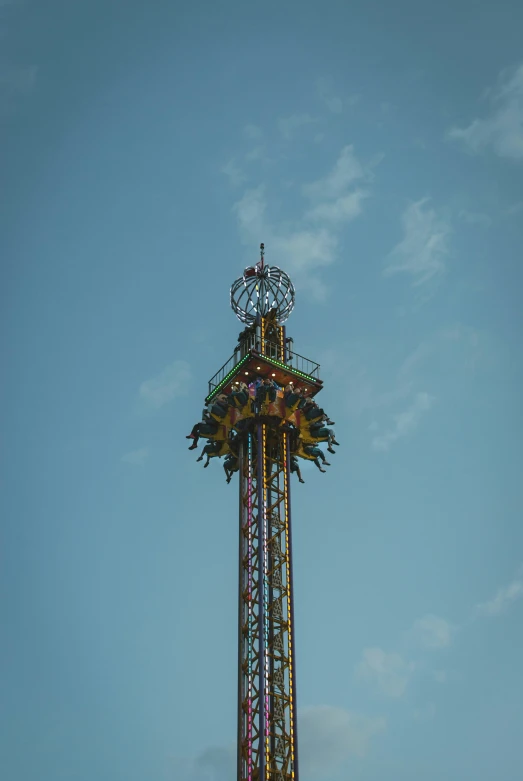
(261, 290)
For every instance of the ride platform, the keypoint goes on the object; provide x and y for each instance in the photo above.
(303, 372)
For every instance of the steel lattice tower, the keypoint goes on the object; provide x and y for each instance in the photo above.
(266, 436)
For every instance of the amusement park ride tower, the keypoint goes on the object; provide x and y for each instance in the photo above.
(262, 436)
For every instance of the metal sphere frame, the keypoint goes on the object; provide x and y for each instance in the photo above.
(261, 290)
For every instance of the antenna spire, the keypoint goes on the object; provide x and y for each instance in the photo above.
(261, 264)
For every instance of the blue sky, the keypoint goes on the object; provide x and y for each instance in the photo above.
(147, 149)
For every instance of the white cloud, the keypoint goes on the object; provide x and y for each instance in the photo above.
(303, 247)
(503, 599)
(338, 196)
(250, 212)
(433, 632)
(234, 173)
(289, 125)
(136, 457)
(300, 250)
(346, 208)
(424, 247)
(346, 171)
(172, 382)
(329, 736)
(502, 130)
(388, 672)
(404, 422)
(303, 253)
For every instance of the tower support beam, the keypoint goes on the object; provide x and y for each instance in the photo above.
(267, 735)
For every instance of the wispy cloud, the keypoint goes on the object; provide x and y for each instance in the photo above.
(172, 382)
(346, 171)
(503, 599)
(338, 196)
(253, 132)
(250, 211)
(374, 391)
(502, 129)
(425, 245)
(289, 125)
(301, 249)
(329, 736)
(311, 242)
(404, 423)
(234, 173)
(136, 457)
(256, 153)
(432, 632)
(334, 103)
(389, 673)
(455, 347)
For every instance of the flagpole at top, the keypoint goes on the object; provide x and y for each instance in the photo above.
(262, 256)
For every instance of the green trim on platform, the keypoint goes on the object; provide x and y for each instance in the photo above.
(272, 361)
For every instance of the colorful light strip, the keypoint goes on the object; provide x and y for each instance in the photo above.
(261, 579)
(290, 369)
(227, 378)
(250, 612)
(266, 600)
(289, 594)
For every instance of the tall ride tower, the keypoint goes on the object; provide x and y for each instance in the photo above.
(261, 429)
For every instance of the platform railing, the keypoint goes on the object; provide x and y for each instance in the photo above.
(301, 364)
(270, 350)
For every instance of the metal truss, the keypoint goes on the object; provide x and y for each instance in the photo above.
(267, 734)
